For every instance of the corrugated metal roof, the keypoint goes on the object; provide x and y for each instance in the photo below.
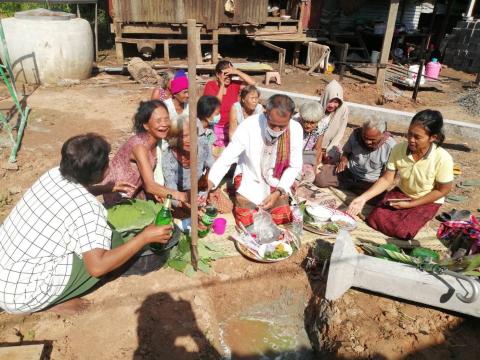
(377, 10)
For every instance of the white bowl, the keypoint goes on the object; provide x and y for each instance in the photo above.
(285, 17)
(319, 213)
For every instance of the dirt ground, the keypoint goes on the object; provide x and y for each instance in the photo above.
(243, 310)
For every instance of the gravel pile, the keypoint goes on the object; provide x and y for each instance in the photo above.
(470, 101)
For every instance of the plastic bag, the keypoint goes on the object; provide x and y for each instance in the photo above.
(264, 227)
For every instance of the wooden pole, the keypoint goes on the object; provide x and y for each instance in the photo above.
(417, 81)
(471, 6)
(387, 44)
(192, 39)
(300, 17)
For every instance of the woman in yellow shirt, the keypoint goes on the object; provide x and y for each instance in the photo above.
(426, 175)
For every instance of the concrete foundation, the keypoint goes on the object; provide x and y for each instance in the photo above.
(360, 111)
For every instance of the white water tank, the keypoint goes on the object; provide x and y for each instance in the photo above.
(45, 46)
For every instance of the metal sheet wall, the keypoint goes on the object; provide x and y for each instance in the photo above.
(377, 10)
(246, 11)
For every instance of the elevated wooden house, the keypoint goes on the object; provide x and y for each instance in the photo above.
(149, 23)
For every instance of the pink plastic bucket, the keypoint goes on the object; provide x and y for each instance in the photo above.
(219, 225)
(432, 70)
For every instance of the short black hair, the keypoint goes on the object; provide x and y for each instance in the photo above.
(432, 122)
(283, 103)
(222, 65)
(206, 106)
(85, 158)
(144, 112)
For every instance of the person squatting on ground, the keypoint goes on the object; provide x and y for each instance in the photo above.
(56, 242)
(426, 175)
(138, 161)
(268, 148)
(363, 160)
(309, 117)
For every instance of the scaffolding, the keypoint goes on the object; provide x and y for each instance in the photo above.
(19, 106)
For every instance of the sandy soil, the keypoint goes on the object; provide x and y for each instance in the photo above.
(167, 315)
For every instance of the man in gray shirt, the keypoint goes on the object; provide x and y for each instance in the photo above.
(363, 159)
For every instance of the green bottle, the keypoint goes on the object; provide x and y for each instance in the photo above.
(164, 217)
(207, 220)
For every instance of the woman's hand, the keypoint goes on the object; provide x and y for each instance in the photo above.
(356, 206)
(124, 187)
(342, 165)
(401, 205)
(157, 234)
(270, 200)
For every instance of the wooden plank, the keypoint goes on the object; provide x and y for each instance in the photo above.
(215, 46)
(21, 352)
(166, 52)
(192, 105)
(118, 44)
(160, 41)
(387, 42)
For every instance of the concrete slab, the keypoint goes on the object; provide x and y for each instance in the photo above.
(348, 269)
(360, 111)
(21, 352)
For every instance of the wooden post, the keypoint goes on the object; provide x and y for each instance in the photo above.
(296, 53)
(477, 80)
(443, 28)
(419, 78)
(96, 31)
(118, 43)
(387, 44)
(192, 105)
(343, 60)
(198, 45)
(166, 51)
(470, 8)
(281, 54)
(215, 46)
(300, 17)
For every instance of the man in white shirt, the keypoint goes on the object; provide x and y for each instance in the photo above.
(268, 150)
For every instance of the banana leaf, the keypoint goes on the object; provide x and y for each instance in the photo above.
(132, 215)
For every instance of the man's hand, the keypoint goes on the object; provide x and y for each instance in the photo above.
(356, 206)
(342, 165)
(124, 187)
(157, 234)
(270, 200)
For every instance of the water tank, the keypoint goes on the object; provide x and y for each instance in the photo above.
(46, 46)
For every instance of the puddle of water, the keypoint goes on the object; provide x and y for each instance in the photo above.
(267, 331)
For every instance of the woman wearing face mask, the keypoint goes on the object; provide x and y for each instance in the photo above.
(178, 103)
(334, 120)
(426, 175)
(208, 113)
(247, 106)
(227, 91)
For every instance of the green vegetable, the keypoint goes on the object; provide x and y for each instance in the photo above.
(278, 253)
(391, 247)
(423, 253)
(331, 227)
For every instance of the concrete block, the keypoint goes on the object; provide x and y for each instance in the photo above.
(348, 269)
(21, 352)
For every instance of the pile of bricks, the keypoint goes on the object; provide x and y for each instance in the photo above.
(463, 48)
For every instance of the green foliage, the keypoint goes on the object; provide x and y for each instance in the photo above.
(8, 9)
(180, 256)
(132, 215)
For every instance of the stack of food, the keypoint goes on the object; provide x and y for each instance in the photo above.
(326, 221)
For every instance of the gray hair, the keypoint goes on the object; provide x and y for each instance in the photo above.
(311, 111)
(175, 133)
(166, 77)
(375, 123)
(283, 103)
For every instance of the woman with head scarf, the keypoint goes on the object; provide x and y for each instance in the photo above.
(334, 120)
(178, 103)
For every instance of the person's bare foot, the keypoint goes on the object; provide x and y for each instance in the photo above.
(70, 307)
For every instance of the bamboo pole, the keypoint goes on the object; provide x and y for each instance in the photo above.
(192, 44)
